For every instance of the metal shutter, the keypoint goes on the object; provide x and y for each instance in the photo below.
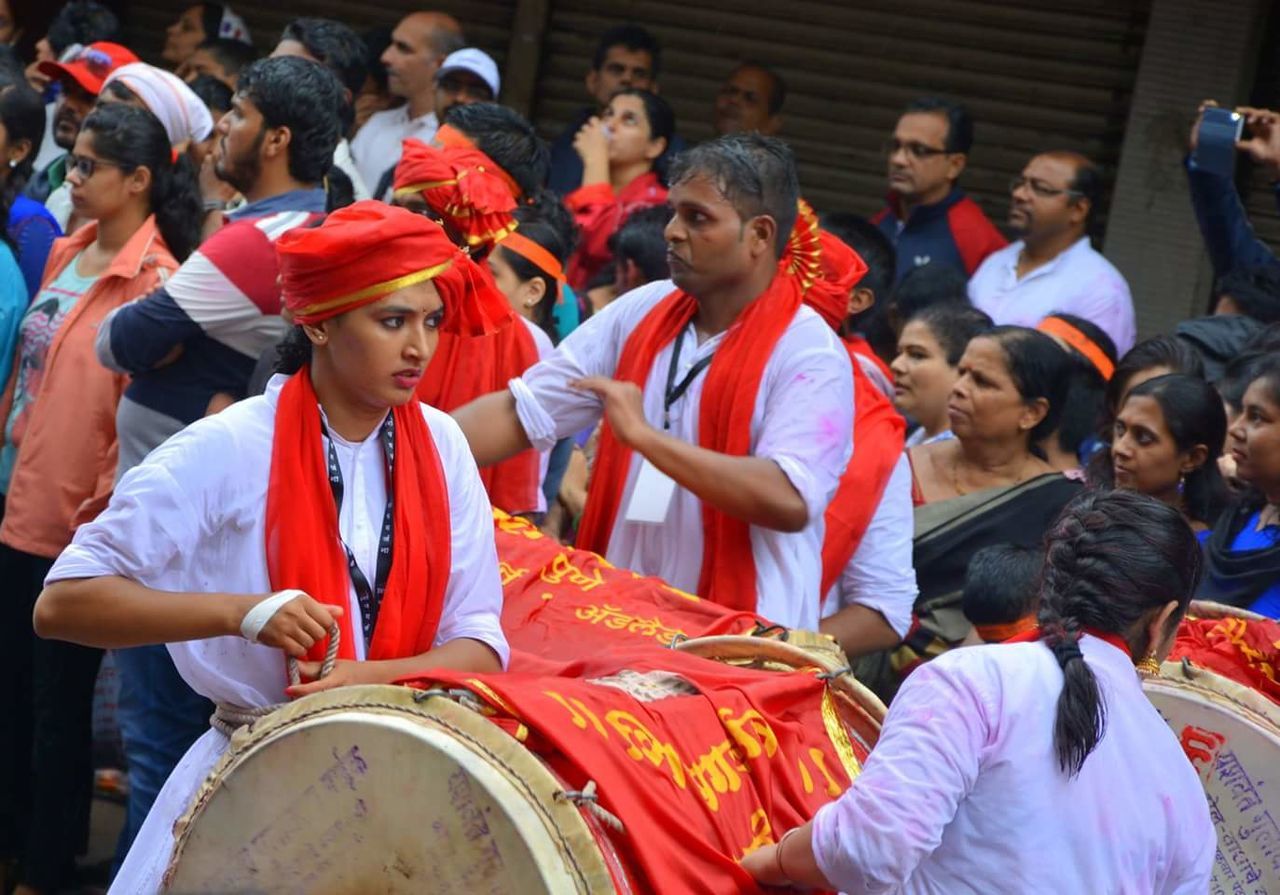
(1036, 75)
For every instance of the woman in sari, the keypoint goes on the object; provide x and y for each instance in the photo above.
(987, 485)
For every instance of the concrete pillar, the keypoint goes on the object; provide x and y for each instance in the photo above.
(1194, 50)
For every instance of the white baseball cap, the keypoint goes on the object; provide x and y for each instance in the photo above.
(478, 62)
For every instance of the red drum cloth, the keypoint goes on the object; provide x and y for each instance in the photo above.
(1245, 650)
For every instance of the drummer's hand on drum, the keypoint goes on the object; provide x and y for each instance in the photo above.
(294, 626)
(345, 673)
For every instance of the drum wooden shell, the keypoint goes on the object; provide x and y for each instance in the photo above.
(377, 789)
(1231, 734)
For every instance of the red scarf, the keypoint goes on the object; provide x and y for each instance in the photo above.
(303, 544)
(724, 425)
(878, 431)
(483, 346)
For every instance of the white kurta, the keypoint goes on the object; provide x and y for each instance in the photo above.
(802, 420)
(881, 574)
(190, 519)
(542, 342)
(962, 793)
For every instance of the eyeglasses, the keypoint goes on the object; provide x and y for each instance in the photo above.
(86, 167)
(918, 151)
(1040, 188)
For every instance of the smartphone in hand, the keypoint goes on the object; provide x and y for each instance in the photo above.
(1216, 140)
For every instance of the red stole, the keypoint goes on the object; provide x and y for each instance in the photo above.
(303, 545)
(728, 574)
(878, 431)
(483, 345)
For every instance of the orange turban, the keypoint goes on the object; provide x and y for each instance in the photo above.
(825, 265)
(461, 184)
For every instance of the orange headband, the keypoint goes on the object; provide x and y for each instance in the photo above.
(450, 137)
(997, 633)
(1056, 326)
(535, 254)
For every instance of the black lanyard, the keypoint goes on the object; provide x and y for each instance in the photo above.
(675, 391)
(370, 599)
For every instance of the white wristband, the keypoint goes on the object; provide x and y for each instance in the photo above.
(256, 618)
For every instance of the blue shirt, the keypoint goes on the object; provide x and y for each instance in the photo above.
(1250, 538)
(33, 230)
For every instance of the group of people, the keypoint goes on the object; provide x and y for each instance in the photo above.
(277, 333)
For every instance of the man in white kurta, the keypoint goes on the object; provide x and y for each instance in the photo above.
(802, 418)
(190, 519)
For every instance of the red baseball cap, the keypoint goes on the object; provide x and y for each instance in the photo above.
(89, 66)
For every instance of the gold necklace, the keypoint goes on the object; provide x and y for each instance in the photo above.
(955, 475)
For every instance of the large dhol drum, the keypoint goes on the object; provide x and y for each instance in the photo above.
(472, 786)
(1231, 734)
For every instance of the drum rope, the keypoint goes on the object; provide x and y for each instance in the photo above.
(587, 798)
(227, 718)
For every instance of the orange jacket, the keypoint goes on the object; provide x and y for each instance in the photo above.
(66, 460)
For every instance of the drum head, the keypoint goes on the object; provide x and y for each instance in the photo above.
(368, 789)
(1232, 736)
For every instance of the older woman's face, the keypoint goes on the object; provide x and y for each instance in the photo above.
(985, 403)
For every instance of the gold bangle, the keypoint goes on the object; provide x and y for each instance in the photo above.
(777, 854)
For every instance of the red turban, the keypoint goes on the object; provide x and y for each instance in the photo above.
(461, 184)
(825, 265)
(356, 256)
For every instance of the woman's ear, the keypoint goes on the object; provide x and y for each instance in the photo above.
(1033, 413)
(139, 180)
(533, 291)
(656, 147)
(1194, 459)
(317, 333)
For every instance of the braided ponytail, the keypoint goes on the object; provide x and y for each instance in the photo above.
(1112, 560)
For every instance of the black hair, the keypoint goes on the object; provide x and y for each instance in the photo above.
(134, 138)
(641, 240)
(1240, 370)
(305, 97)
(339, 49)
(1255, 290)
(215, 94)
(878, 252)
(755, 173)
(1087, 185)
(777, 84)
(633, 38)
(233, 55)
(1001, 584)
(339, 191)
(548, 223)
(12, 70)
(953, 324)
(1160, 351)
(1112, 560)
(22, 114)
(662, 124)
(82, 22)
(1039, 368)
(1193, 414)
(508, 138)
(1084, 413)
(376, 40)
(959, 122)
(210, 18)
(929, 284)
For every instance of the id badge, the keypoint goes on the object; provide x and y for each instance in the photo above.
(651, 498)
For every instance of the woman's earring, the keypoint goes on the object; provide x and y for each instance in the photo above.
(13, 163)
(1150, 666)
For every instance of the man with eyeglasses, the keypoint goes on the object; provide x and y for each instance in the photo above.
(926, 216)
(467, 76)
(1053, 269)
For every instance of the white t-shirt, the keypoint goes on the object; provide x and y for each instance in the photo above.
(377, 145)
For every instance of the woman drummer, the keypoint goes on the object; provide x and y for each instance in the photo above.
(979, 783)
(334, 499)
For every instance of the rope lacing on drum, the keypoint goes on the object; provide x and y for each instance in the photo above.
(587, 798)
(677, 639)
(835, 673)
(1189, 669)
(769, 630)
(465, 698)
(227, 719)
